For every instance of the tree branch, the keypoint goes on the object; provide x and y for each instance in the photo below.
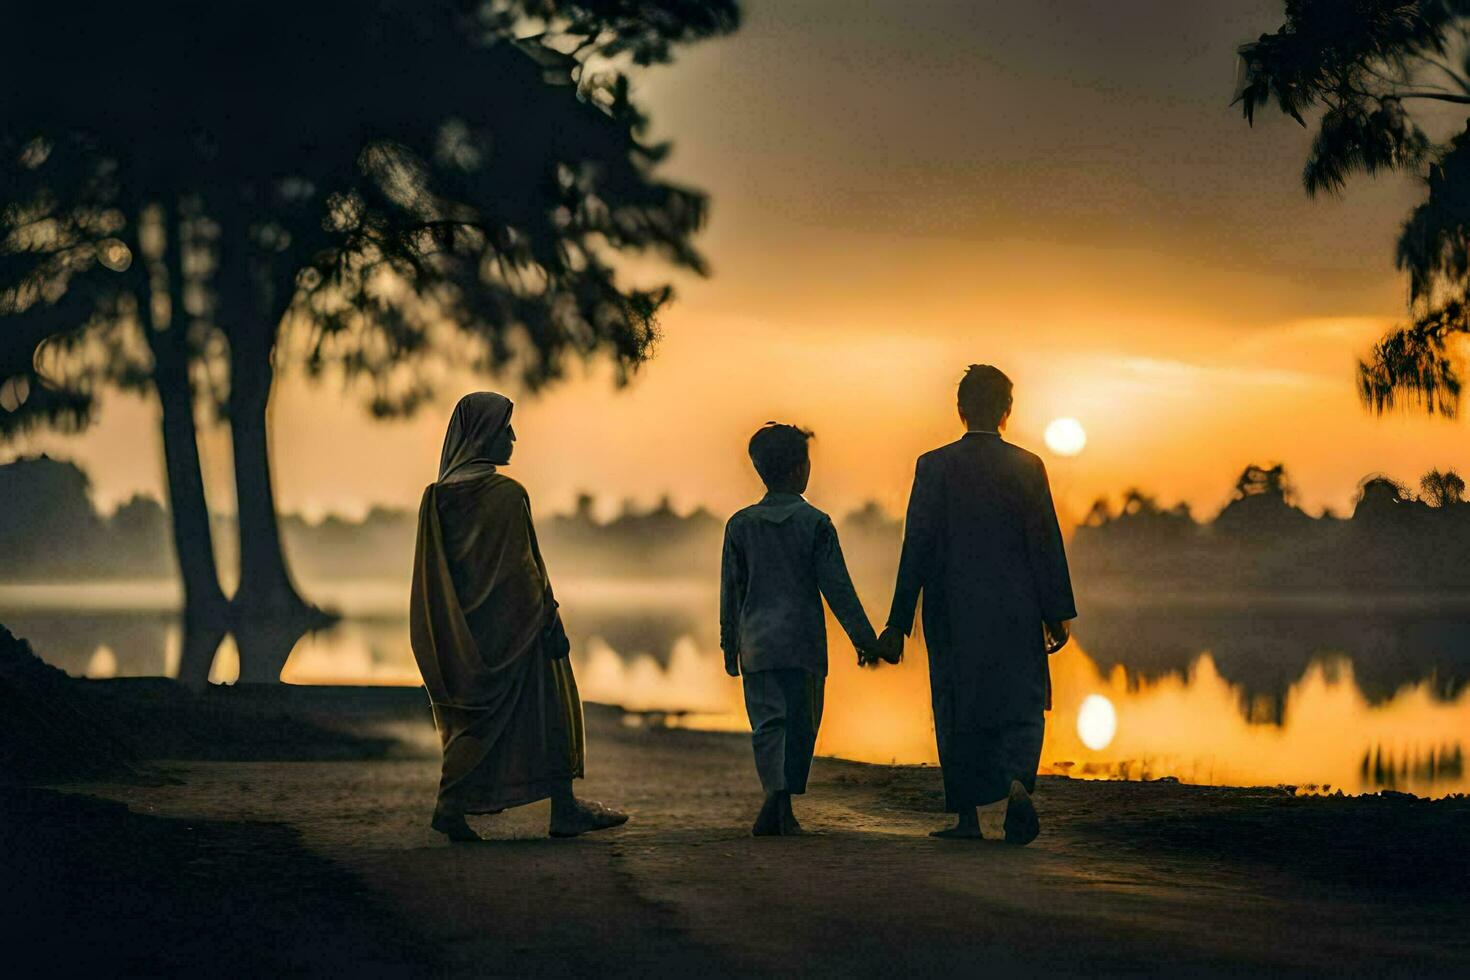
(1436, 96)
(1400, 79)
(1460, 81)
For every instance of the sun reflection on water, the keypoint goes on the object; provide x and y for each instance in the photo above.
(1097, 722)
(1196, 724)
(1192, 728)
(1117, 724)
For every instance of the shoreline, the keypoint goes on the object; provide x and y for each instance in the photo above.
(378, 714)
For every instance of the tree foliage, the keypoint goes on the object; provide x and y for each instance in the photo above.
(1443, 488)
(1263, 481)
(1378, 79)
(390, 187)
(380, 175)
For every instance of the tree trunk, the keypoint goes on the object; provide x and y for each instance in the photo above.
(206, 611)
(269, 614)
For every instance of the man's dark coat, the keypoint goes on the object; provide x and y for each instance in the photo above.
(982, 544)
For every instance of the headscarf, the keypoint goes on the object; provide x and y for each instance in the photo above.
(477, 420)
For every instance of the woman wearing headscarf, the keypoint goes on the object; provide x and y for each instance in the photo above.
(489, 640)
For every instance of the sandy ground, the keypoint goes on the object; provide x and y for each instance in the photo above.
(329, 866)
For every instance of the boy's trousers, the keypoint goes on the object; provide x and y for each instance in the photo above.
(785, 711)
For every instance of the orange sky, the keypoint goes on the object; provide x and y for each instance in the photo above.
(902, 189)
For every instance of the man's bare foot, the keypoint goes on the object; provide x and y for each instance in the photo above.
(1022, 824)
(584, 816)
(454, 827)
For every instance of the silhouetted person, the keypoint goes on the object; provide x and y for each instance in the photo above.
(781, 556)
(981, 542)
(489, 641)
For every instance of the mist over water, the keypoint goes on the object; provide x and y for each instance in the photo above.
(1318, 699)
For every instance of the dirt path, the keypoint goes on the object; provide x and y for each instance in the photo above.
(1126, 877)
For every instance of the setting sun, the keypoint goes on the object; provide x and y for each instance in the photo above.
(1066, 437)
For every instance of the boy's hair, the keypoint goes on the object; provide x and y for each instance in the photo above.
(985, 396)
(778, 450)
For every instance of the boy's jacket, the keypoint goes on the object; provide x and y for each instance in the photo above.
(781, 557)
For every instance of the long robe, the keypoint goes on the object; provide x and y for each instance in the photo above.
(481, 619)
(981, 542)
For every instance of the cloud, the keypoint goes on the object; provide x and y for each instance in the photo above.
(1184, 376)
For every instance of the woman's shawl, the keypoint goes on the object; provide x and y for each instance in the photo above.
(479, 606)
(475, 424)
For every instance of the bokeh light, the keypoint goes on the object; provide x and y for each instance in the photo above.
(114, 255)
(14, 392)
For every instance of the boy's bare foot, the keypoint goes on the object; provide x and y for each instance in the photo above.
(789, 825)
(768, 822)
(958, 833)
(454, 827)
(967, 827)
(766, 827)
(584, 816)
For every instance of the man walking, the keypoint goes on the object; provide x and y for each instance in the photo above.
(982, 543)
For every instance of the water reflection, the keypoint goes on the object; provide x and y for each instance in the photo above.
(132, 643)
(1264, 653)
(1346, 701)
(1190, 725)
(1381, 767)
(354, 651)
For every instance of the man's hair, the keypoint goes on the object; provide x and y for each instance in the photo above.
(778, 450)
(985, 396)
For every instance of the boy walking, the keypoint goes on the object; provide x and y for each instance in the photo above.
(781, 557)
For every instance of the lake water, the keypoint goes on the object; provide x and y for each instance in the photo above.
(1316, 694)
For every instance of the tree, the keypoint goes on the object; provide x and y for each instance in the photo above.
(585, 512)
(1099, 514)
(391, 186)
(1443, 489)
(872, 518)
(1257, 481)
(1262, 505)
(50, 527)
(1379, 497)
(1368, 71)
(79, 311)
(1136, 503)
(1141, 513)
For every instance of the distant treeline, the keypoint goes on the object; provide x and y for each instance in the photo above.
(50, 530)
(1397, 539)
(636, 542)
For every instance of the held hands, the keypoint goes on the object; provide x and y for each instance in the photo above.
(889, 648)
(1055, 635)
(890, 644)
